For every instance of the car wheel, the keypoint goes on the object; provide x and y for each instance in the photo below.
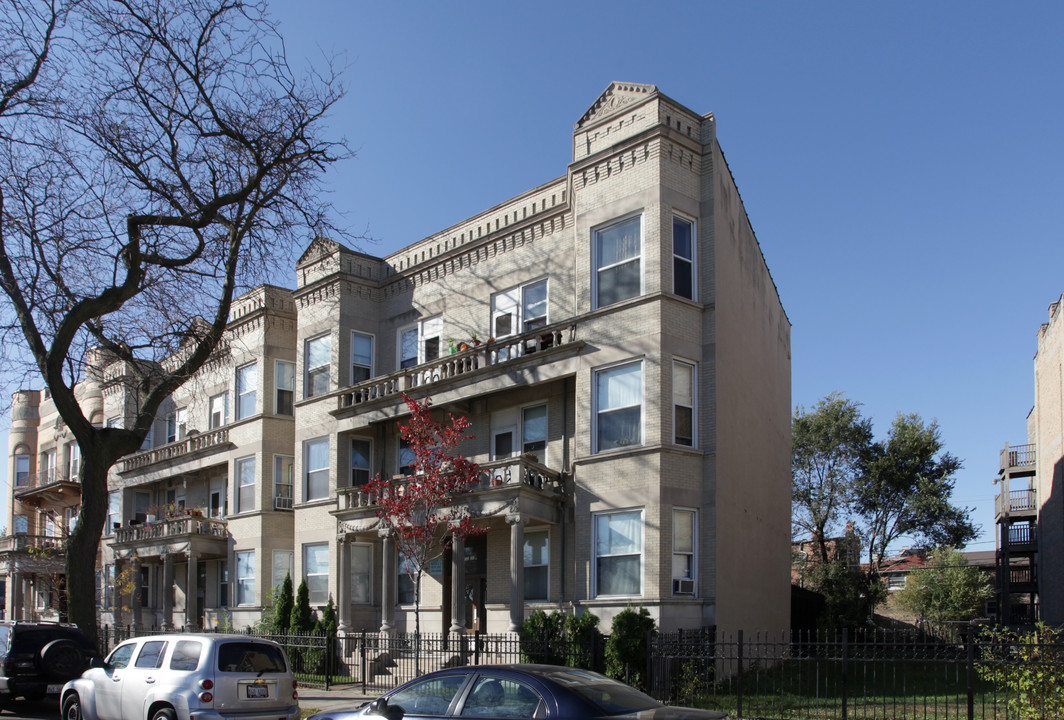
(62, 659)
(72, 707)
(163, 713)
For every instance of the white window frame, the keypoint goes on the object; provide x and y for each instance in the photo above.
(307, 575)
(600, 372)
(223, 503)
(309, 371)
(176, 425)
(363, 572)
(691, 261)
(22, 469)
(677, 402)
(245, 575)
(528, 565)
(596, 580)
(50, 458)
(308, 471)
(114, 511)
(245, 504)
(367, 365)
(285, 567)
(283, 488)
(222, 413)
(598, 268)
(513, 303)
(224, 586)
(425, 330)
(368, 469)
(514, 444)
(690, 585)
(73, 461)
(278, 404)
(245, 396)
(525, 442)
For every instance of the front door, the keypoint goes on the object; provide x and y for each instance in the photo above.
(476, 582)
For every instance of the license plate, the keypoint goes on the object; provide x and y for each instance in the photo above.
(53, 689)
(257, 692)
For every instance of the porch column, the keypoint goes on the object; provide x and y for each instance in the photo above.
(517, 571)
(191, 621)
(168, 592)
(135, 565)
(388, 570)
(457, 585)
(343, 591)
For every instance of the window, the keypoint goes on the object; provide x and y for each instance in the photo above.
(114, 512)
(683, 552)
(151, 654)
(519, 309)
(176, 425)
(619, 553)
(22, 525)
(245, 577)
(420, 342)
(109, 586)
(359, 462)
(361, 572)
(247, 381)
(534, 430)
(405, 586)
(219, 410)
(408, 347)
(683, 257)
(249, 657)
(502, 444)
(316, 357)
(49, 466)
(498, 697)
(316, 469)
(73, 461)
(282, 566)
(148, 441)
(145, 582)
(407, 458)
(361, 357)
(120, 657)
(617, 251)
(245, 478)
(219, 503)
(283, 476)
(619, 406)
(286, 387)
(683, 403)
(537, 565)
(223, 583)
(141, 505)
(22, 470)
(70, 518)
(186, 655)
(316, 572)
(429, 697)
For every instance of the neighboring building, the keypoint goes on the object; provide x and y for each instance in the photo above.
(628, 381)
(805, 554)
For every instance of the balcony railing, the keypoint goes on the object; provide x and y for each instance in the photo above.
(1021, 576)
(479, 358)
(27, 543)
(1019, 501)
(1018, 456)
(1021, 535)
(174, 450)
(171, 528)
(30, 482)
(511, 473)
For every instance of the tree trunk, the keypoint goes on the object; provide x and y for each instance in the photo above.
(84, 541)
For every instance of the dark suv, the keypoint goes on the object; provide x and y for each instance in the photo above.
(37, 658)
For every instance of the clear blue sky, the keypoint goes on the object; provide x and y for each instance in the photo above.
(901, 163)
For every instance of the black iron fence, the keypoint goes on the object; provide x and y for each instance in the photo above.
(839, 676)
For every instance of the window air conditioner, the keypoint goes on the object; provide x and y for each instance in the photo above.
(684, 586)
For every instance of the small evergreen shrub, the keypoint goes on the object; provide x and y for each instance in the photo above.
(626, 649)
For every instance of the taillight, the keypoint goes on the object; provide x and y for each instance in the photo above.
(206, 697)
(207, 684)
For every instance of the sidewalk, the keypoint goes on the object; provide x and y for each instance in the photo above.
(337, 698)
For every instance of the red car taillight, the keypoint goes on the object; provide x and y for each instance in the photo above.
(206, 697)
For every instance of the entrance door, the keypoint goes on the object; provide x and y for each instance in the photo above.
(476, 582)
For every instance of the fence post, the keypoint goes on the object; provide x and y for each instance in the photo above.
(649, 681)
(971, 672)
(330, 648)
(845, 639)
(739, 678)
(476, 647)
(362, 653)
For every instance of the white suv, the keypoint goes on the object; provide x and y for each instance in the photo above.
(186, 677)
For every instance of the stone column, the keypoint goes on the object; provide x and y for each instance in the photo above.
(191, 621)
(388, 571)
(517, 571)
(457, 585)
(135, 565)
(343, 590)
(168, 592)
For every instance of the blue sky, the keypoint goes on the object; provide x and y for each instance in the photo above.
(902, 165)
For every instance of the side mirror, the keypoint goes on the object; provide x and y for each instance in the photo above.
(381, 707)
(97, 662)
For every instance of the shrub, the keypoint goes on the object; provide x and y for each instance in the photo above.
(543, 638)
(583, 635)
(626, 648)
(1029, 665)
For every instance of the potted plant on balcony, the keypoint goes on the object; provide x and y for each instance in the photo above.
(531, 457)
(476, 339)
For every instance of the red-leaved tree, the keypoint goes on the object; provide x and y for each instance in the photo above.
(424, 512)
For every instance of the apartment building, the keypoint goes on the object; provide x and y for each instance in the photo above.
(616, 339)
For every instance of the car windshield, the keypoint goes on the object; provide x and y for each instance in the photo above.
(250, 657)
(609, 696)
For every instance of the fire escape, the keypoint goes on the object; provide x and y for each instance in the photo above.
(1016, 514)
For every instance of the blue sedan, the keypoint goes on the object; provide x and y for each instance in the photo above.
(517, 692)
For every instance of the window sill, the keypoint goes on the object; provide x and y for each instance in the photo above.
(317, 502)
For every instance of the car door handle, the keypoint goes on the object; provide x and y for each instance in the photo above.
(149, 680)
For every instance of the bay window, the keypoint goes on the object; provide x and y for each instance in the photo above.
(618, 406)
(683, 403)
(245, 577)
(537, 565)
(683, 552)
(619, 553)
(286, 387)
(361, 357)
(247, 379)
(245, 475)
(617, 253)
(317, 354)
(316, 469)
(683, 258)
(316, 571)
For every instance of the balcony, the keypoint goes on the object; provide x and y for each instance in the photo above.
(173, 535)
(475, 363)
(1020, 456)
(1018, 503)
(201, 443)
(33, 544)
(49, 488)
(1021, 537)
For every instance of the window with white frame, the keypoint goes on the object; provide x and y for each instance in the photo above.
(683, 403)
(247, 381)
(684, 529)
(223, 583)
(537, 565)
(317, 355)
(316, 571)
(176, 425)
(361, 357)
(282, 566)
(219, 500)
(245, 577)
(22, 470)
(283, 476)
(70, 518)
(617, 251)
(286, 387)
(219, 410)
(361, 573)
(534, 430)
(406, 588)
(683, 257)
(114, 512)
(519, 309)
(619, 406)
(316, 469)
(408, 350)
(360, 453)
(22, 525)
(245, 477)
(141, 505)
(619, 553)
(73, 461)
(503, 444)
(420, 342)
(48, 463)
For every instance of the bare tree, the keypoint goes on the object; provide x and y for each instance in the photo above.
(158, 158)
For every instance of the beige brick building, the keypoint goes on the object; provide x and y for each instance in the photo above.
(627, 376)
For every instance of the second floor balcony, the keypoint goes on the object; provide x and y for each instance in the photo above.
(1021, 503)
(33, 544)
(189, 447)
(183, 527)
(50, 488)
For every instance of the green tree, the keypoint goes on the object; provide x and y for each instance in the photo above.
(626, 649)
(906, 492)
(947, 589)
(831, 447)
(849, 594)
(284, 604)
(302, 616)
